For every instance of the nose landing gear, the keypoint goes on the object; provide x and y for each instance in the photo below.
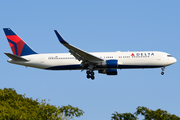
(162, 73)
(90, 74)
(163, 68)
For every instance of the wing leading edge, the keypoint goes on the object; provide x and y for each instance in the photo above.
(78, 53)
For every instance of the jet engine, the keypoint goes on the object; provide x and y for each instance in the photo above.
(109, 64)
(108, 71)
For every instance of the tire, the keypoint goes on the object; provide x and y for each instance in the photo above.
(92, 73)
(162, 73)
(92, 77)
(88, 76)
(88, 72)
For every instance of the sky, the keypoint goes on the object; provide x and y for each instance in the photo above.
(95, 26)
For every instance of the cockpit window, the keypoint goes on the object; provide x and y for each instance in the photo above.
(169, 56)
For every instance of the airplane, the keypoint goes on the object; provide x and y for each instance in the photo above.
(104, 62)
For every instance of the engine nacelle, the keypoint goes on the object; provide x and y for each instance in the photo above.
(109, 64)
(108, 71)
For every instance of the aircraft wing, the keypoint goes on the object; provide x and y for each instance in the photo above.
(78, 53)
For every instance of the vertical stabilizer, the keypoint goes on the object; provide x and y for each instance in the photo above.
(18, 46)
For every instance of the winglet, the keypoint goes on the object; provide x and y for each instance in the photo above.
(78, 53)
(60, 37)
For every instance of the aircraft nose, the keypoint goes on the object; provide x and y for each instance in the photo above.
(174, 60)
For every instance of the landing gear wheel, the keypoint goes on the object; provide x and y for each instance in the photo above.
(88, 76)
(92, 73)
(162, 73)
(88, 72)
(163, 68)
(92, 77)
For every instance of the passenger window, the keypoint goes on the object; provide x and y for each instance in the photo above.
(169, 56)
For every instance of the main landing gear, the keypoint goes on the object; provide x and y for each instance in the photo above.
(163, 68)
(90, 74)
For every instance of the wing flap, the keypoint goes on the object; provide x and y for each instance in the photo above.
(78, 53)
(15, 58)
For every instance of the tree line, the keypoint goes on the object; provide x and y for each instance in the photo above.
(147, 113)
(15, 106)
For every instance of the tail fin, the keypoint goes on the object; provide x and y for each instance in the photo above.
(18, 46)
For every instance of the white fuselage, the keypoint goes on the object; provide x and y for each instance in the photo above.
(105, 62)
(126, 60)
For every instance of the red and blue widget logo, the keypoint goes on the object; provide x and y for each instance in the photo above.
(132, 54)
(16, 44)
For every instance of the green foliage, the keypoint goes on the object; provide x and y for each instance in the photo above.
(147, 113)
(155, 115)
(17, 107)
(123, 116)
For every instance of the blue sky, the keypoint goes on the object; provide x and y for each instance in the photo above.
(100, 26)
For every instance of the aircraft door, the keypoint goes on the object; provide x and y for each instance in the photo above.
(159, 57)
(41, 60)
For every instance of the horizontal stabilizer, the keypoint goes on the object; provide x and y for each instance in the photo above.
(14, 57)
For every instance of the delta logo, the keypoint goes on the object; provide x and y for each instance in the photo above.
(142, 54)
(55, 57)
(132, 54)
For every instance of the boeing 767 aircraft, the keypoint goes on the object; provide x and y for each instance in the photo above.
(104, 62)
